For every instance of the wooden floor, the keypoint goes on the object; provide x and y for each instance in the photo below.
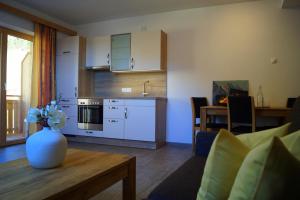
(153, 166)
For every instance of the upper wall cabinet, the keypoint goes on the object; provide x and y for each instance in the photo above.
(140, 51)
(148, 51)
(120, 52)
(98, 51)
(67, 45)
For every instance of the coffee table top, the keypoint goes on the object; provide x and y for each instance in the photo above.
(19, 180)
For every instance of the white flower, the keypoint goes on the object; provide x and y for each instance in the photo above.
(33, 115)
(56, 119)
(51, 113)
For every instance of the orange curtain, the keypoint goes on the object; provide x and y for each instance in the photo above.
(44, 65)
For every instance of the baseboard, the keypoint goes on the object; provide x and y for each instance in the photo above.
(116, 142)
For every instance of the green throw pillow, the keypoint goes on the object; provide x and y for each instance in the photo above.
(223, 162)
(260, 137)
(266, 170)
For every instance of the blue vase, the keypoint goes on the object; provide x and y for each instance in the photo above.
(46, 148)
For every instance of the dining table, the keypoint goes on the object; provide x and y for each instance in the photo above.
(281, 113)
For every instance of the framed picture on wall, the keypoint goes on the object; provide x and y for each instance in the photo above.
(222, 89)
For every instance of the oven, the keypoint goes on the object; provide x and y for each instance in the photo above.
(90, 114)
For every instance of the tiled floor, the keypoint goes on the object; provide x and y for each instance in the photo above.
(153, 166)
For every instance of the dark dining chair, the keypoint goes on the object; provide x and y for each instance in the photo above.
(241, 114)
(197, 103)
(290, 102)
(295, 116)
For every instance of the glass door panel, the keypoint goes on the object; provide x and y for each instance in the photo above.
(18, 85)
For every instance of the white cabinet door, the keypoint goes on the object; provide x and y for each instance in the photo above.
(113, 128)
(146, 50)
(140, 123)
(98, 51)
(70, 110)
(70, 127)
(67, 45)
(113, 112)
(67, 75)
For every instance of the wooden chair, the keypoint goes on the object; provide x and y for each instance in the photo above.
(197, 103)
(241, 114)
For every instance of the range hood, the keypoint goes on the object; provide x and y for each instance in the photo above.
(99, 68)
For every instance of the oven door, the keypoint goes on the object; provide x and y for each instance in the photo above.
(90, 117)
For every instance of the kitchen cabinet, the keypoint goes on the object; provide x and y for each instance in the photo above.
(135, 119)
(98, 51)
(148, 51)
(139, 52)
(140, 123)
(113, 128)
(67, 75)
(67, 45)
(67, 67)
(120, 52)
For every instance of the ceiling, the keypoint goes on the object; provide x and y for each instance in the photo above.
(77, 12)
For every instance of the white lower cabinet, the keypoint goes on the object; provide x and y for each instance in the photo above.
(132, 119)
(140, 123)
(70, 127)
(113, 128)
(90, 133)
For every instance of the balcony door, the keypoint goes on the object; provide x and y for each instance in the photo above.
(16, 69)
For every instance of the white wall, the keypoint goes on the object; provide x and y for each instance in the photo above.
(23, 25)
(229, 42)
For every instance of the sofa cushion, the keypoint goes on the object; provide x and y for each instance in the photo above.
(254, 139)
(269, 167)
(183, 184)
(223, 162)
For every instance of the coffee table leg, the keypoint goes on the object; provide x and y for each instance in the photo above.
(129, 183)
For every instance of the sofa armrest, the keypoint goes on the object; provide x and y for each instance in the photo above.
(204, 141)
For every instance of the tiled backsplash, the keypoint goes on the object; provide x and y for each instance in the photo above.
(110, 84)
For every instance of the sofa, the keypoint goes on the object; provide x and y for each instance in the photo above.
(184, 183)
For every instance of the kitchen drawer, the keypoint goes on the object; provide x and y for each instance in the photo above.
(113, 128)
(114, 112)
(91, 133)
(70, 127)
(114, 102)
(68, 101)
(141, 102)
(70, 110)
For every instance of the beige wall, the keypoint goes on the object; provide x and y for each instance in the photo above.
(229, 42)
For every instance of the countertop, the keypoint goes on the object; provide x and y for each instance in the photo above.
(128, 97)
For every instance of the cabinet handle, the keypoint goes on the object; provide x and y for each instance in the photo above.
(108, 58)
(89, 132)
(65, 52)
(65, 100)
(113, 121)
(132, 63)
(75, 91)
(65, 106)
(114, 108)
(125, 113)
(114, 101)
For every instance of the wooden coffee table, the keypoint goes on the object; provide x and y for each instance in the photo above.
(82, 175)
